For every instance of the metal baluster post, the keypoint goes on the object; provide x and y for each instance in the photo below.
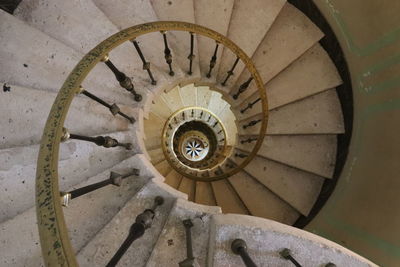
(146, 65)
(239, 247)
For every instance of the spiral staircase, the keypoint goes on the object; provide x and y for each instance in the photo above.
(175, 105)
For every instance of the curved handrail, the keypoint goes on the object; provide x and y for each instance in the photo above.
(55, 243)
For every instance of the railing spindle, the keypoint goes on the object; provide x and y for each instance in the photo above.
(124, 81)
(285, 253)
(190, 260)
(230, 72)
(249, 140)
(240, 155)
(252, 123)
(115, 179)
(114, 109)
(242, 88)
(167, 53)
(146, 65)
(105, 141)
(213, 60)
(191, 55)
(239, 247)
(143, 221)
(250, 105)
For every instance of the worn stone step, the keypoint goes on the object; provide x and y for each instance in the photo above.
(205, 194)
(160, 108)
(298, 188)
(257, 15)
(173, 99)
(260, 201)
(170, 247)
(188, 186)
(203, 96)
(173, 179)
(189, 95)
(156, 155)
(317, 114)
(215, 15)
(217, 104)
(79, 160)
(312, 153)
(227, 198)
(290, 36)
(28, 108)
(103, 246)
(163, 168)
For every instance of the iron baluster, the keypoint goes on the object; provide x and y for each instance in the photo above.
(115, 179)
(239, 247)
(230, 72)
(190, 260)
(249, 140)
(222, 140)
(240, 155)
(213, 60)
(250, 105)
(167, 54)
(285, 253)
(114, 109)
(252, 123)
(215, 124)
(142, 222)
(192, 113)
(209, 118)
(124, 81)
(146, 65)
(220, 131)
(201, 114)
(191, 55)
(242, 88)
(105, 141)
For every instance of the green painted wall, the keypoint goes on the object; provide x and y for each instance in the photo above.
(363, 213)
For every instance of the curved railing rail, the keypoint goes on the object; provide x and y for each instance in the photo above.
(55, 243)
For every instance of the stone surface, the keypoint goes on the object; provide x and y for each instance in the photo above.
(189, 95)
(308, 249)
(260, 201)
(103, 246)
(216, 105)
(205, 194)
(298, 188)
(227, 198)
(81, 161)
(215, 15)
(156, 155)
(290, 36)
(203, 96)
(188, 187)
(173, 99)
(173, 179)
(171, 245)
(312, 153)
(160, 108)
(257, 15)
(163, 168)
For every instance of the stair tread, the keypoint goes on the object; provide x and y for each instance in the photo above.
(217, 104)
(156, 155)
(317, 114)
(188, 186)
(173, 179)
(298, 188)
(257, 15)
(80, 160)
(215, 15)
(204, 194)
(203, 96)
(173, 236)
(98, 253)
(173, 99)
(160, 108)
(189, 95)
(227, 198)
(163, 167)
(289, 37)
(260, 201)
(312, 153)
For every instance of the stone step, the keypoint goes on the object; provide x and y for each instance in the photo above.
(25, 250)
(260, 201)
(179, 10)
(173, 179)
(227, 198)
(188, 186)
(257, 15)
(163, 168)
(310, 74)
(102, 247)
(205, 194)
(173, 99)
(224, 228)
(290, 36)
(160, 108)
(215, 15)
(312, 153)
(189, 95)
(48, 57)
(203, 96)
(156, 155)
(217, 104)
(317, 114)
(153, 126)
(298, 188)
(28, 108)
(170, 247)
(79, 161)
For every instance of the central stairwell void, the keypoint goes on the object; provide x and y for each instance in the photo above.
(192, 142)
